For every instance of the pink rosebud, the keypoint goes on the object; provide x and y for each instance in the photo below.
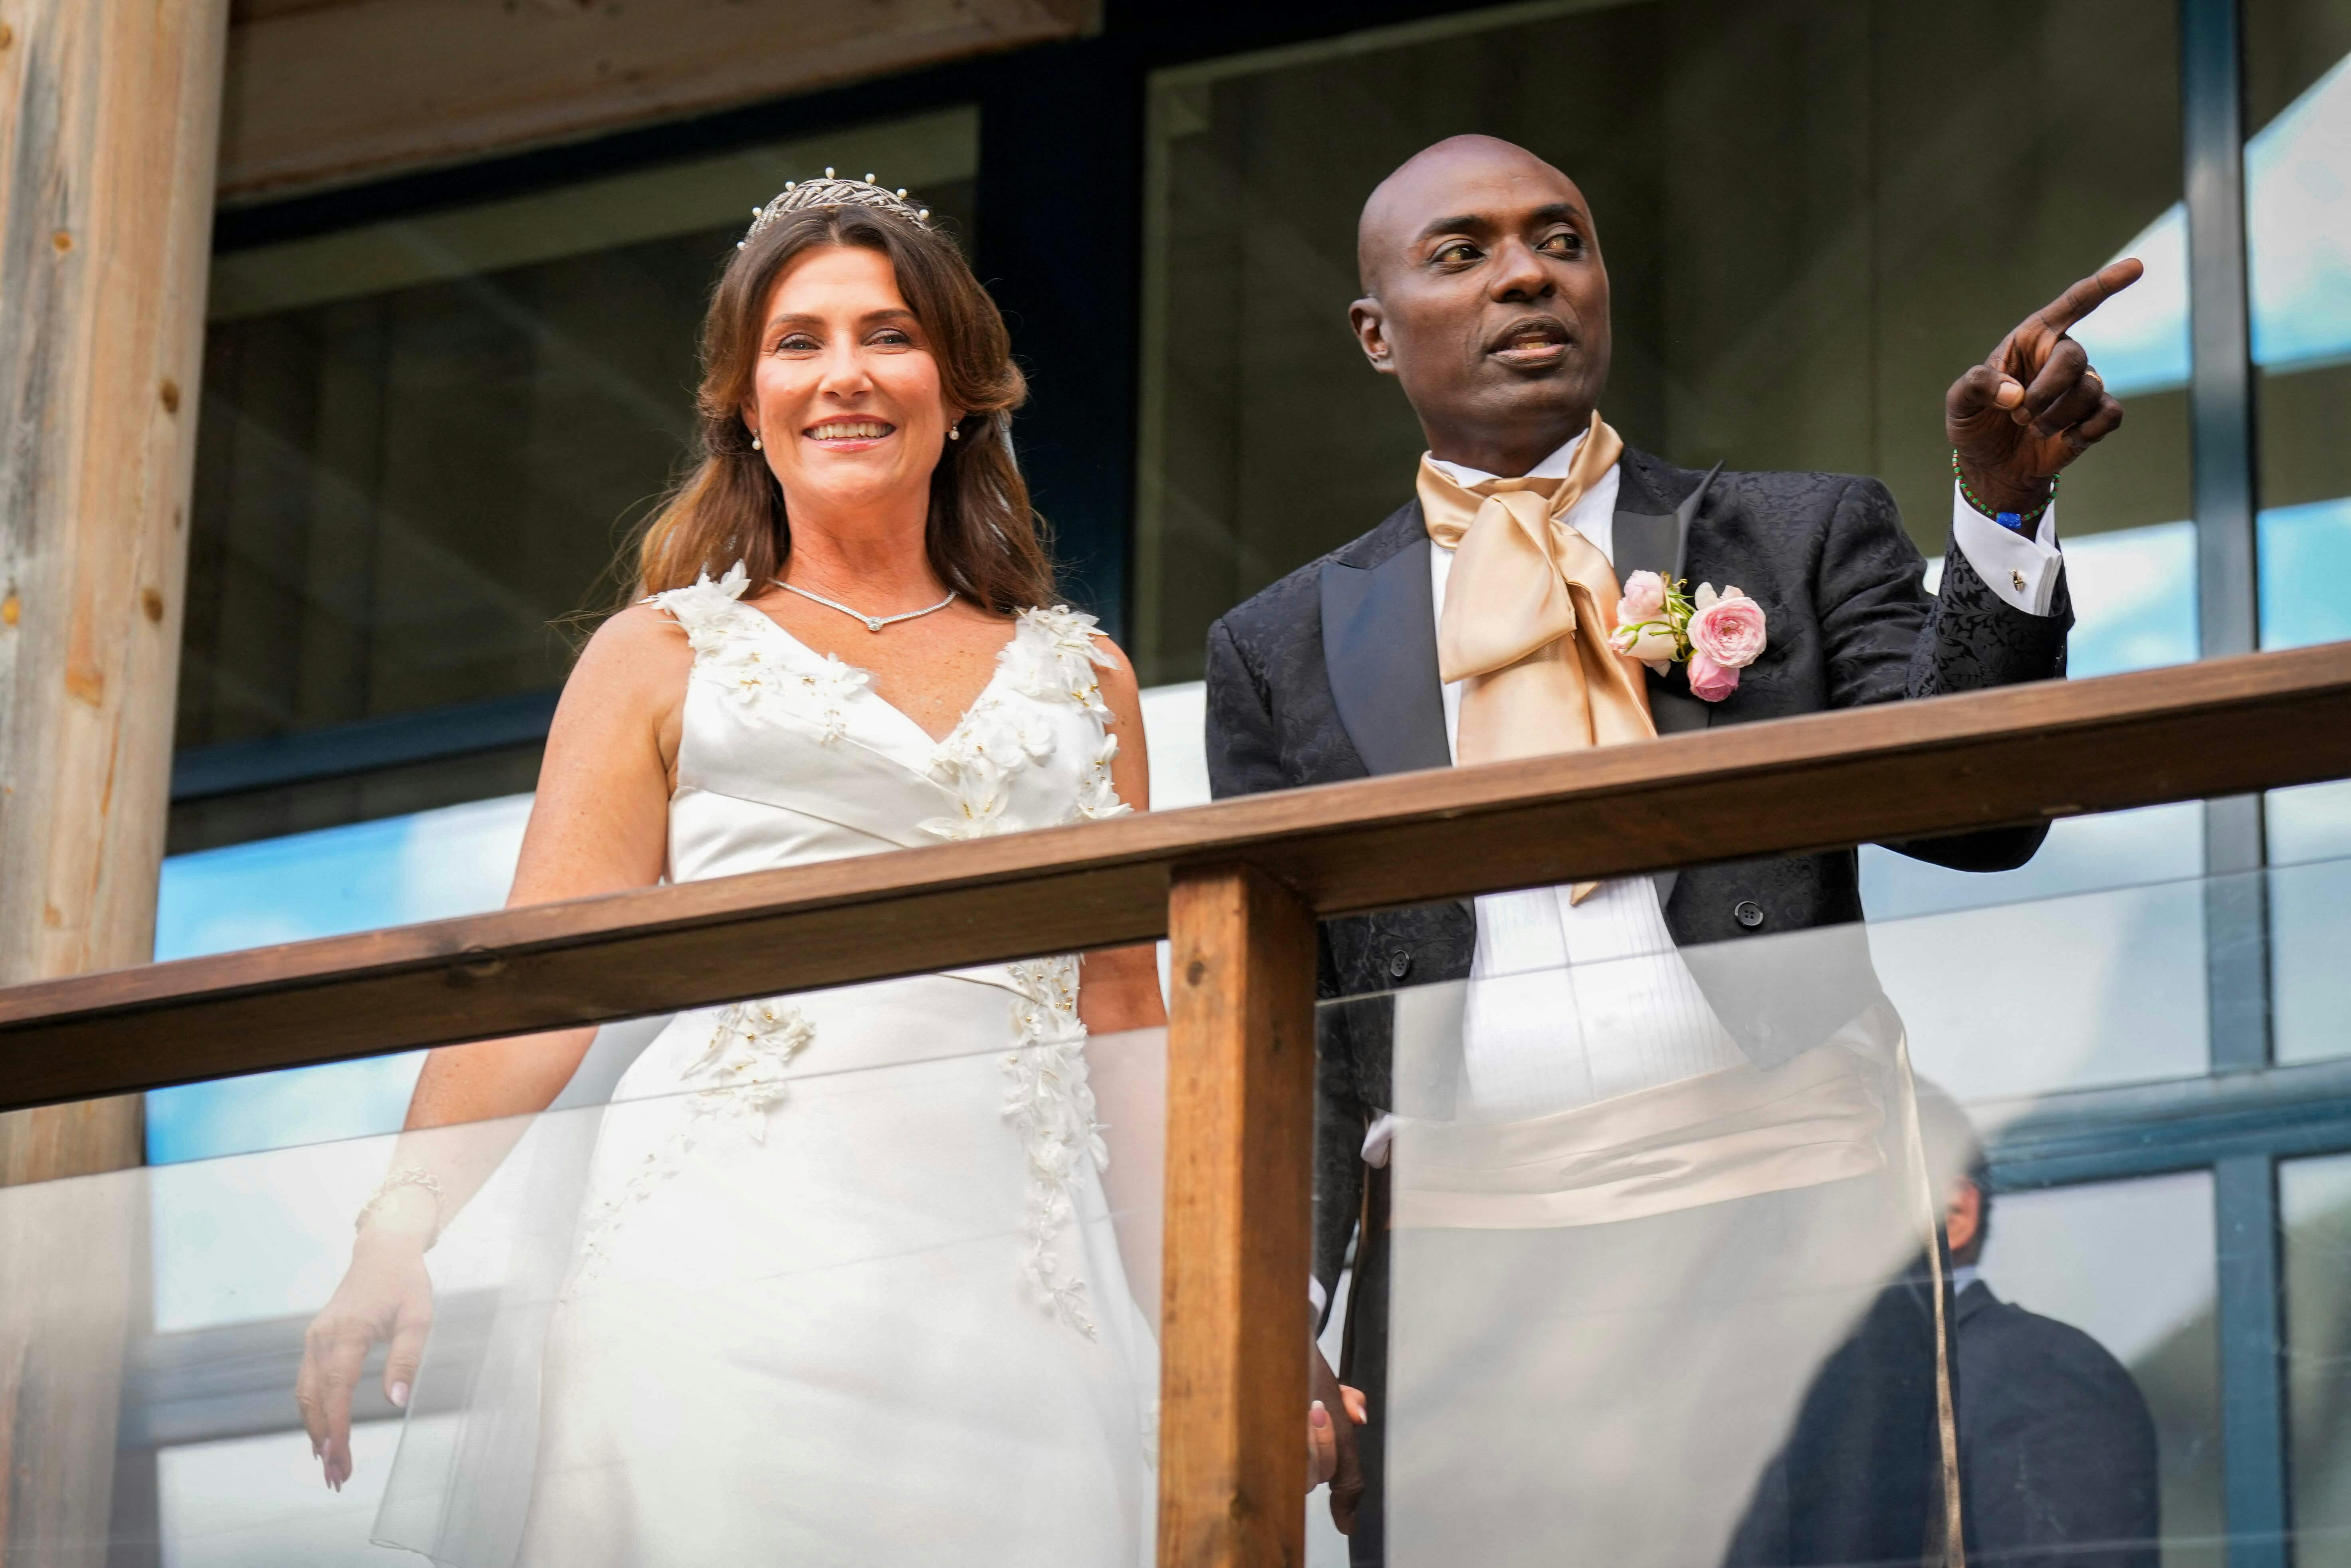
(1711, 681)
(1729, 630)
(1645, 598)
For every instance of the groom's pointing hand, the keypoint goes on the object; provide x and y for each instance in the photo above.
(2035, 403)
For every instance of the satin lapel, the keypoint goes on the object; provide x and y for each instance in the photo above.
(1645, 543)
(1379, 650)
(1685, 516)
(1660, 543)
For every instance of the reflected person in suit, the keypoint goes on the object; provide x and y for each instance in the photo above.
(2057, 1449)
(1602, 1370)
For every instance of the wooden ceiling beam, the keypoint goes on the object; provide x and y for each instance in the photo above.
(326, 92)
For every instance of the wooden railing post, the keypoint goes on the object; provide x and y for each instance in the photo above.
(110, 118)
(1240, 1135)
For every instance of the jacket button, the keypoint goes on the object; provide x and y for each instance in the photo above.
(1749, 913)
(1399, 964)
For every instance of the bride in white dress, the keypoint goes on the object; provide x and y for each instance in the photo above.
(846, 1289)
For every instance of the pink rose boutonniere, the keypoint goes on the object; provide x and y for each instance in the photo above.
(1718, 634)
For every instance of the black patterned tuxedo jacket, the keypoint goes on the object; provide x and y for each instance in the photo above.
(1331, 674)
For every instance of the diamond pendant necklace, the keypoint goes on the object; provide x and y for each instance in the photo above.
(872, 623)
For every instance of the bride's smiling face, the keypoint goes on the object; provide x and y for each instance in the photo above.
(846, 400)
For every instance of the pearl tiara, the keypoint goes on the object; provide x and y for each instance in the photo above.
(832, 192)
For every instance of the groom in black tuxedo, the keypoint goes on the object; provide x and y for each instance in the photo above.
(1485, 295)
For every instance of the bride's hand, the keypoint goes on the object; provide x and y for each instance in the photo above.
(1332, 1417)
(1321, 1446)
(385, 1295)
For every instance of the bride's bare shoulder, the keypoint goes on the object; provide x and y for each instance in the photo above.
(1118, 678)
(640, 649)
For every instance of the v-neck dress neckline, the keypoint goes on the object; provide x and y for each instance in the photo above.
(931, 745)
(773, 726)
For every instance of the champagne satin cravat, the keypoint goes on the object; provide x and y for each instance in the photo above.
(1528, 605)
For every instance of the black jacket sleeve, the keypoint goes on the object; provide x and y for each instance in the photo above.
(1888, 639)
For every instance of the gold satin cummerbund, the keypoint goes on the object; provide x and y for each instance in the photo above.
(1735, 1133)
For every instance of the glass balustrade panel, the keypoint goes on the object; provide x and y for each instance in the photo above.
(862, 1275)
(1814, 1245)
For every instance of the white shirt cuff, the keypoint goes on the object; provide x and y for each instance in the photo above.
(2022, 571)
(1314, 1293)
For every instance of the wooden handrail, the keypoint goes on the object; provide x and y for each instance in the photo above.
(1901, 770)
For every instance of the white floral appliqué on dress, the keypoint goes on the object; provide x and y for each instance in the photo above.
(846, 1290)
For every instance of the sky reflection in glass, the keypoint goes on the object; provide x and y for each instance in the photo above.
(2298, 242)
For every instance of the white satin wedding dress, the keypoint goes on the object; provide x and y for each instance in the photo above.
(846, 1291)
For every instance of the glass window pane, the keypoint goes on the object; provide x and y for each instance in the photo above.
(2298, 235)
(1791, 288)
(2298, 251)
(2314, 1204)
(2131, 1266)
(2310, 920)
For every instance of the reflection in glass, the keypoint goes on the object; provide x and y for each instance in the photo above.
(2298, 251)
(2310, 920)
(2298, 240)
(2092, 987)
(2130, 1266)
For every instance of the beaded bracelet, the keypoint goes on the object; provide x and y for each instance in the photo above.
(415, 1176)
(2015, 521)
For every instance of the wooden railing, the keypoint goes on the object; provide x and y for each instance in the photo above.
(1237, 886)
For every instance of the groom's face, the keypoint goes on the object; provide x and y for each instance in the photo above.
(1486, 296)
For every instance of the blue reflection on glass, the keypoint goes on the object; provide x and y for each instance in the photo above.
(2134, 593)
(2305, 551)
(2298, 245)
(393, 871)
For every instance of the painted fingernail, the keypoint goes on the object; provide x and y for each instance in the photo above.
(1316, 1417)
(399, 1394)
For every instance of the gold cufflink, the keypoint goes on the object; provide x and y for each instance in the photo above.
(2017, 577)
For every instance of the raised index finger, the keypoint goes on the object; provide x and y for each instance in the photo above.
(2060, 314)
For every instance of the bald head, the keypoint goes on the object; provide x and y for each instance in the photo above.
(1424, 188)
(1485, 295)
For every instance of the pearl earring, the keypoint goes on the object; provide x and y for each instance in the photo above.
(954, 433)
(755, 444)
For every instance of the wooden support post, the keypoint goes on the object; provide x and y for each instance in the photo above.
(110, 117)
(1241, 1137)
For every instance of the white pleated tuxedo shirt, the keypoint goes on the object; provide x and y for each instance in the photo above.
(1570, 1004)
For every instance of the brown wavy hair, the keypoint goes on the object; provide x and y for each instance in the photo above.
(983, 539)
